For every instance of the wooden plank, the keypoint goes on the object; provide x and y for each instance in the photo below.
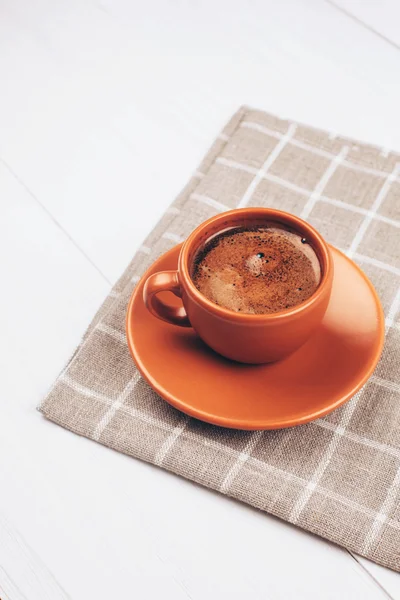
(381, 18)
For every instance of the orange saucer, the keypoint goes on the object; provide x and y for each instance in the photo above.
(328, 370)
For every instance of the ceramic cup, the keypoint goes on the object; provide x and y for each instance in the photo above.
(247, 338)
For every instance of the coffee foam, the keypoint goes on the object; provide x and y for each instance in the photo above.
(257, 270)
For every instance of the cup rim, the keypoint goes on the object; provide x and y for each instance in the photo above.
(270, 214)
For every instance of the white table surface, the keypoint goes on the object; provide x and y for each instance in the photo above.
(105, 103)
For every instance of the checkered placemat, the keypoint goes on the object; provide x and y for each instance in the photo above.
(338, 477)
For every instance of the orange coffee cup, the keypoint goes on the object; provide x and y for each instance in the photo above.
(247, 338)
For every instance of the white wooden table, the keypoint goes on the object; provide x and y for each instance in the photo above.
(104, 103)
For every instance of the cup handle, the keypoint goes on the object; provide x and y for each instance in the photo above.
(165, 281)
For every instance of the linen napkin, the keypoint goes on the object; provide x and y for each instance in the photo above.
(338, 477)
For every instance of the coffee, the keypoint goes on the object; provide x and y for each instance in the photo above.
(257, 270)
